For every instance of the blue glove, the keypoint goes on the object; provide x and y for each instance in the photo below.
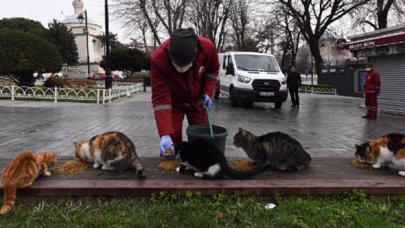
(207, 101)
(166, 147)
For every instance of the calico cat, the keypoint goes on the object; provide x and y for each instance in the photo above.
(21, 173)
(206, 160)
(279, 150)
(110, 150)
(385, 150)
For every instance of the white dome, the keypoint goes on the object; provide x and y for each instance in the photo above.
(73, 19)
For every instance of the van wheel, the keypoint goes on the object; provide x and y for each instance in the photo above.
(232, 98)
(278, 105)
(216, 94)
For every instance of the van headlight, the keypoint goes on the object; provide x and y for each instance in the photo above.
(243, 79)
(283, 81)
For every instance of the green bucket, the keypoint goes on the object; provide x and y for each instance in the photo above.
(203, 131)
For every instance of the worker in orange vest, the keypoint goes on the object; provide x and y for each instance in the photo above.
(371, 90)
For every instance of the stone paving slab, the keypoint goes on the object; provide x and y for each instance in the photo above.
(326, 125)
(325, 176)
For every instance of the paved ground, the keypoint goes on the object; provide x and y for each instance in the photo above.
(327, 126)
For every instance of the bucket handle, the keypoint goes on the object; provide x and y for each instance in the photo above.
(209, 122)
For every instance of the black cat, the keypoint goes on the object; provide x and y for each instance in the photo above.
(206, 160)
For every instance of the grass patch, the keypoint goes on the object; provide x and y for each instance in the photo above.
(194, 210)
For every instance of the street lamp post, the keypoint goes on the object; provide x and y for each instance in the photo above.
(86, 31)
(108, 78)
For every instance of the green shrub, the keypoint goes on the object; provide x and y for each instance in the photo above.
(23, 53)
(140, 75)
(79, 83)
(317, 86)
(52, 82)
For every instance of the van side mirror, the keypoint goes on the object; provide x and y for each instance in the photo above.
(229, 69)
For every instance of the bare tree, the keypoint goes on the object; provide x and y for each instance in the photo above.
(266, 34)
(279, 30)
(314, 16)
(290, 38)
(137, 15)
(209, 18)
(134, 13)
(170, 13)
(239, 23)
(376, 13)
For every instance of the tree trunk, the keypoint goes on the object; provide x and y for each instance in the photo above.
(150, 23)
(382, 12)
(145, 41)
(317, 58)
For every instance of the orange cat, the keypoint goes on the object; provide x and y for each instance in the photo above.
(21, 172)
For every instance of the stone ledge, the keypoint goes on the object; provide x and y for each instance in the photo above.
(325, 176)
(64, 188)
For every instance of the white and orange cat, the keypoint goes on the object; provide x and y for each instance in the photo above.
(387, 150)
(110, 151)
(22, 172)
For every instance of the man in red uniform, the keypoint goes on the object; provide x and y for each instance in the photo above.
(371, 90)
(184, 73)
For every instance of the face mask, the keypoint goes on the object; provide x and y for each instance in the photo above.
(368, 69)
(183, 68)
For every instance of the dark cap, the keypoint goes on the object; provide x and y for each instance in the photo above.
(183, 46)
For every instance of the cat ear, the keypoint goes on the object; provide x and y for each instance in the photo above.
(357, 146)
(240, 129)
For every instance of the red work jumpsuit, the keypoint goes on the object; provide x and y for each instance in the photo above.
(177, 94)
(371, 89)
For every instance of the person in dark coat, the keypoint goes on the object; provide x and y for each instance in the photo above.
(293, 83)
(371, 90)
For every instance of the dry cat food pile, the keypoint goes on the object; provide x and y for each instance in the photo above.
(169, 151)
(242, 165)
(359, 164)
(169, 165)
(73, 167)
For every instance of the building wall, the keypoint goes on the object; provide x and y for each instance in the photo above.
(342, 79)
(96, 50)
(332, 56)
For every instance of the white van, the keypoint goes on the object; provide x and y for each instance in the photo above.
(251, 77)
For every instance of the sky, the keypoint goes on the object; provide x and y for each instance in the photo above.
(45, 11)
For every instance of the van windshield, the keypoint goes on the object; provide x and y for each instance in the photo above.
(248, 62)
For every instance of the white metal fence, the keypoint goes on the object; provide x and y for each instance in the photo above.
(68, 94)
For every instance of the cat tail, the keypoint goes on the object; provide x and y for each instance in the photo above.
(140, 171)
(242, 174)
(10, 192)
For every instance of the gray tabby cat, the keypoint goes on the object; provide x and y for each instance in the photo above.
(110, 151)
(277, 149)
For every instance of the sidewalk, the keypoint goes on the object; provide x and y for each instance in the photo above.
(327, 126)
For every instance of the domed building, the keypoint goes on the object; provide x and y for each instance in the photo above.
(96, 47)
